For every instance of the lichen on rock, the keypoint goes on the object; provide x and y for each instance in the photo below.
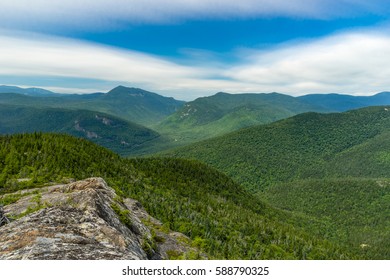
(82, 220)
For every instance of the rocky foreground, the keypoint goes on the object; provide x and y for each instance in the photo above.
(84, 220)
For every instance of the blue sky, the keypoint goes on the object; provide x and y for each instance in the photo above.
(188, 49)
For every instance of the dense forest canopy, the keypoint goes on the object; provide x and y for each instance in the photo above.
(332, 167)
(222, 218)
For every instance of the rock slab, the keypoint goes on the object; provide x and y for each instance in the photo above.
(83, 220)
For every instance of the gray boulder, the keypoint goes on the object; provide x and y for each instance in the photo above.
(84, 220)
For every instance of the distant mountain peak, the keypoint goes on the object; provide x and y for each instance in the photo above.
(383, 93)
(120, 87)
(33, 91)
(122, 90)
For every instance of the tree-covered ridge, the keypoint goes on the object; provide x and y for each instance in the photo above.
(27, 91)
(119, 135)
(220, 217)
(131, 104)
(297, 147)
(178, 123)
(335, 102)
(354, 211)
(221, 113)
(321, 166)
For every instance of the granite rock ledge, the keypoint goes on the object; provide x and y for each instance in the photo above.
(84, 220)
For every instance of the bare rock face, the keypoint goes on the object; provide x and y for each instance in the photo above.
(83, 220)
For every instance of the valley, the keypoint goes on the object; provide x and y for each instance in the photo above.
(131, 104)
(221, 218)
(119, 135)
(243, 176)
(332, 167)
(223, 113)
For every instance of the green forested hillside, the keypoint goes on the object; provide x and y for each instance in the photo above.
(355, 211)
(222, 113)
(305, 178)
(368, 159)
(341, 102)
(319, 165)
(27, 91)
(116, 134)
(299, 147)
(132, 104)
(221, 217)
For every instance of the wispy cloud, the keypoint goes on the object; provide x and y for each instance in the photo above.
(103, 14)
(355, 63)
(32, 55)
(351, 63)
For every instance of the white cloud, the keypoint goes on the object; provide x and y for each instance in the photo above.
(29, 55)
(98, 14)
(70, 58)
(355, 63)
(352, 63)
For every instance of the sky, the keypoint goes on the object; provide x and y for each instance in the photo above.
(192, 48)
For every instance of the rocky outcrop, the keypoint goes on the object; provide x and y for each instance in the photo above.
(84, 220)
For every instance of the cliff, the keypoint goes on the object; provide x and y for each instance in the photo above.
(84, 220)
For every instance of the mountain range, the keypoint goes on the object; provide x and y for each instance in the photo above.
(301, 146)
(341, 102)
(222, 113)
(221, 219)
(119, 135)
(248, 176)
(333, 167)
(27, 91)
(132, 104)
(176, 122)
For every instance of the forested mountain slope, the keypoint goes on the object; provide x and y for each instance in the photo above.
(335, 102)
(355, 211)
(27, 91)
(132, 104)
(222, 113)
(298, 147)
(119, 135)
(221, 218)
(333, 167)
